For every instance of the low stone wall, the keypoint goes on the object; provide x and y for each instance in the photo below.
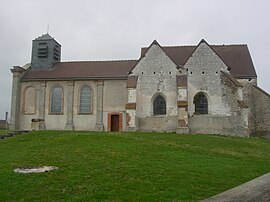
(223, 125)
(158, 124)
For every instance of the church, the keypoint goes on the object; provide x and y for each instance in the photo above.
(197, 89)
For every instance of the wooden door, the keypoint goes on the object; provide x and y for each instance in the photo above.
(115, 123)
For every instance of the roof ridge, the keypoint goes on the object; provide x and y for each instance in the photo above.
(172, 46)
(82, 61)
(242, 44)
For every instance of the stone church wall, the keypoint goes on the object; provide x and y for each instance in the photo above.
(156, 76)
(25, 115)
(259, 103)
(84, 121)
(230, 96)
(158, 123)
(204, 69)
(52, 121)
(114, 100)
(224, 125)
(207, 74)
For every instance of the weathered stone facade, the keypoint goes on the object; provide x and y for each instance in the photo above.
(193, 89)
(259, 103)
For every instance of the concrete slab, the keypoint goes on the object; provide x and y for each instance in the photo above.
(252, 191)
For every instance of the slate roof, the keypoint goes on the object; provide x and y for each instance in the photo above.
(236, 57)
(83, 70)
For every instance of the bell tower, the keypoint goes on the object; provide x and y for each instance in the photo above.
(46, 51)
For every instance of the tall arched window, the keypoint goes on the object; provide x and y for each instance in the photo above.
(85, 100)
(57, 100)
(201, 103)
(159, 105)
(30, 100)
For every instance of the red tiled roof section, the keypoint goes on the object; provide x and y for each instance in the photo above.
(83, 70)
(236, 57)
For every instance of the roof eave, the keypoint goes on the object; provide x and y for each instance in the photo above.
(73, 78)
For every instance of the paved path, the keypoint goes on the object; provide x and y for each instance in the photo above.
(257, 190)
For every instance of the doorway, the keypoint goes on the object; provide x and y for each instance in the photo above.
(115, 121)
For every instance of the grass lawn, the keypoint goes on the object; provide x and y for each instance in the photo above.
(97, 166)
(3, 131)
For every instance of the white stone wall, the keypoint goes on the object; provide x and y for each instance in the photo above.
(259, 105)
(131, 95)
(223, 125)
(182, 93)
(56, 122)
(224, 114)
(156, 75)
(115, 97)
(132, 116)
(114, 100)
(84, 121)
(204, 69)
(25, 118)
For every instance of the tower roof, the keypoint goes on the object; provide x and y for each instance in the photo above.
(44, 37)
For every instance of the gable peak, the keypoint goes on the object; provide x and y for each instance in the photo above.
(203, 41)
(155, 42)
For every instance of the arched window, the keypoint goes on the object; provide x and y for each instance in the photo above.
(57, 100)
(201, 103)
(159, 105)
(85, 100)
(30, 100)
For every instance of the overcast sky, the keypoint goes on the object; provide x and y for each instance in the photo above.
(117, 29)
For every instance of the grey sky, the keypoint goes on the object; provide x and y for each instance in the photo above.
(102, 30)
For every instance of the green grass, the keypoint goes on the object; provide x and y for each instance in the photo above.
(3, 131)
(128, 166)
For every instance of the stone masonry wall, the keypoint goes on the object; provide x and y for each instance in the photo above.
(223, 125)
(114, 100)
(156, 76)
(204, 69)
(205, 74)
(230, 95)
(259, 104)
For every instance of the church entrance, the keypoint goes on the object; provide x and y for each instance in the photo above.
(115, 121)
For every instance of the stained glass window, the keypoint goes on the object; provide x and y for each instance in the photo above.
(201, 103)
(56, 100)
(159, 106)
(85, 100)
